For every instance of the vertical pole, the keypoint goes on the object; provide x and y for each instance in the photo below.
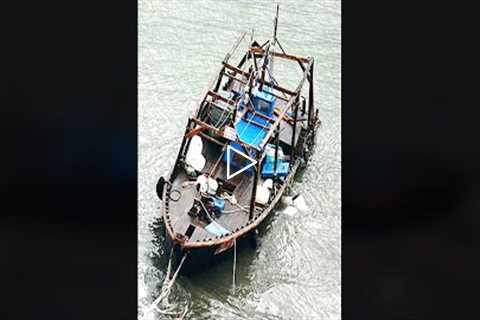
(234, 116)
(310, 98)
(250, 85)
(254, 188)
(304, 106)
(254, 62)
(180, 152)
(220, 77)
(294, 129)
(277, 140)
(264, 66)
(252, 55)
(188, 140)
(275, 23)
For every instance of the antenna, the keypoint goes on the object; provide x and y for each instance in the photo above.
(268, 53)
(275, 23)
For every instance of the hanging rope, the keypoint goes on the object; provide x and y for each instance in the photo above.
(167, 286)
(234, 262)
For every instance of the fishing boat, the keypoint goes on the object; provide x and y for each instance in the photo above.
(245, 141)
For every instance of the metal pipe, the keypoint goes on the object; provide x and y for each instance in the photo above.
(292, 153)
(254, 188)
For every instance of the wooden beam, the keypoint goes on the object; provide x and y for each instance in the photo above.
(268, 83)
(281, 89)
(194, 131)
(220, 133)
(277, 112)
(207, 137)
(235, 69)
(219, 97)
(232, 77)
(280, 55)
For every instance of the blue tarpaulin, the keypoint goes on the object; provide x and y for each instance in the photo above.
(249, 132)
(216, 229)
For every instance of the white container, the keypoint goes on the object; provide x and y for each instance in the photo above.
(194, 157)
(196, 144)
(268, 184)
(212, 186)
(263, 195)
(196, 161)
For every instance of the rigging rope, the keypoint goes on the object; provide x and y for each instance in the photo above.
(234, 262)
(167, 286)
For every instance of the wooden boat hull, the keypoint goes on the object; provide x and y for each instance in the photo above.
(262, 118)
(207, 255)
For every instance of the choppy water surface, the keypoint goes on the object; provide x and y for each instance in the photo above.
(295, 273)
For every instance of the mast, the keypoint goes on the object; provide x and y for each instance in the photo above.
(274, 39)
(275, 22)
(267, 51)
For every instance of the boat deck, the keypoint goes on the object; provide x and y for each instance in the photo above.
(233, 218)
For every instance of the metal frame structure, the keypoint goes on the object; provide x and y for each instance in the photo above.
(256, 74)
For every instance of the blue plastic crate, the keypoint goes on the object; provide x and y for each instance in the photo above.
(282, 169)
